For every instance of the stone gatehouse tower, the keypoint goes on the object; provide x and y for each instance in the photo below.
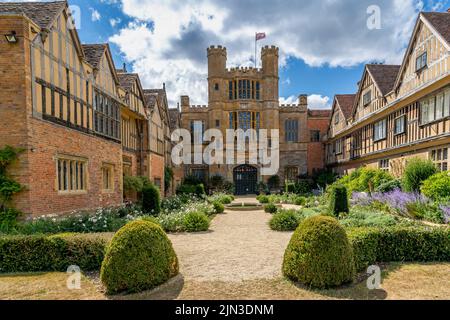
(248, 98)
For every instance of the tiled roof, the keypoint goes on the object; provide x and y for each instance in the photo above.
(441, 22)
(174, 117)
(150, 98)
(42, 13)
(346, 102)
(127, 80)
(94, 53)
(319, 113)
(384, 76)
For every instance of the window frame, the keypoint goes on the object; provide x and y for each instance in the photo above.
(381, 138)
(338, 147)
(315, 136)
(81, 172)
(367, 101)
(110, 187)
(442, 162)
(404, 122)
(291, 130)
(422, 64)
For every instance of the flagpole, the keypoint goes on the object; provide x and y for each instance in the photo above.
(256, 43)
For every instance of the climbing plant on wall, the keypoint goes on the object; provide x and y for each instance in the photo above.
(8, 187)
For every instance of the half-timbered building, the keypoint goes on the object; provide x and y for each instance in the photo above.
(402, 111)
(61, 109)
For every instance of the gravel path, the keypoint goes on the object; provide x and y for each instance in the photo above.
(239, 246)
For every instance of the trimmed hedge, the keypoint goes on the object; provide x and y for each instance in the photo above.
(151, 200)
(398, 244)
(38, 253)
(339, 200)
(319, 254)
(140, 257)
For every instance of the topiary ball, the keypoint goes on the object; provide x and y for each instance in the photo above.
(139, 257)
(319, 254)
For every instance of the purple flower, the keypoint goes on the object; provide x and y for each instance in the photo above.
(446, 211)
(396, 200)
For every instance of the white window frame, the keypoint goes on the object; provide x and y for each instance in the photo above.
(402, 122)
(367, 98)
(380, 130)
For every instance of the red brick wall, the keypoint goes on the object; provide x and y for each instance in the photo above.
(15, 96)
(47, 141)
(157, 170)
(316, 150)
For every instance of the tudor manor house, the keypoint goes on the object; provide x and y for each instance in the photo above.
(85, 124)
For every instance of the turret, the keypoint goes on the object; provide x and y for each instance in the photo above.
(217, 61)
(185, 104)
(269, 57)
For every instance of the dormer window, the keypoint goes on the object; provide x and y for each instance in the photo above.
(421, 61)
(367, 98)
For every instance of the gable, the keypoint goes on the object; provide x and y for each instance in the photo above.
(368, 98)
(425, 40)
(336, 114)
(105, 76)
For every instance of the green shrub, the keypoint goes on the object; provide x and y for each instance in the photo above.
(338, 200)
(300, 201)
(303, 187)
(365, 180)
(397, 244)
(151, 202)
(39, 253)
(389, 186)
(186, 189)
(8, 219)
(273, 182)
(221, 197)
(218, 207)
(416, 172)
(319, 254)
(200, 189)
(437, 186)
(270, 208)
(263, 199)
(285, 220)
(151, 219)
(196, 222)
(140, 257)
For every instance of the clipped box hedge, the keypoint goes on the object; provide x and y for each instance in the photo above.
(420, 244)
(37, 253)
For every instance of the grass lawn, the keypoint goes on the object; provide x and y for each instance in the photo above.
(400, 281)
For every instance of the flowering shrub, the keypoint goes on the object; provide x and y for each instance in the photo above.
(173, 220)
(103, 220)
(410, 205)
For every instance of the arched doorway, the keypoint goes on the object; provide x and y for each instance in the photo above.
(245, 180)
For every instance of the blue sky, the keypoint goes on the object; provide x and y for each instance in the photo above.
(324, 45)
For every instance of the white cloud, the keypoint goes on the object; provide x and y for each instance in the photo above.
(315, 101)
(114, 21)
(168, 40)
(95, 15)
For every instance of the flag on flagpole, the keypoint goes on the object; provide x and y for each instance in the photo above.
(260, 36)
